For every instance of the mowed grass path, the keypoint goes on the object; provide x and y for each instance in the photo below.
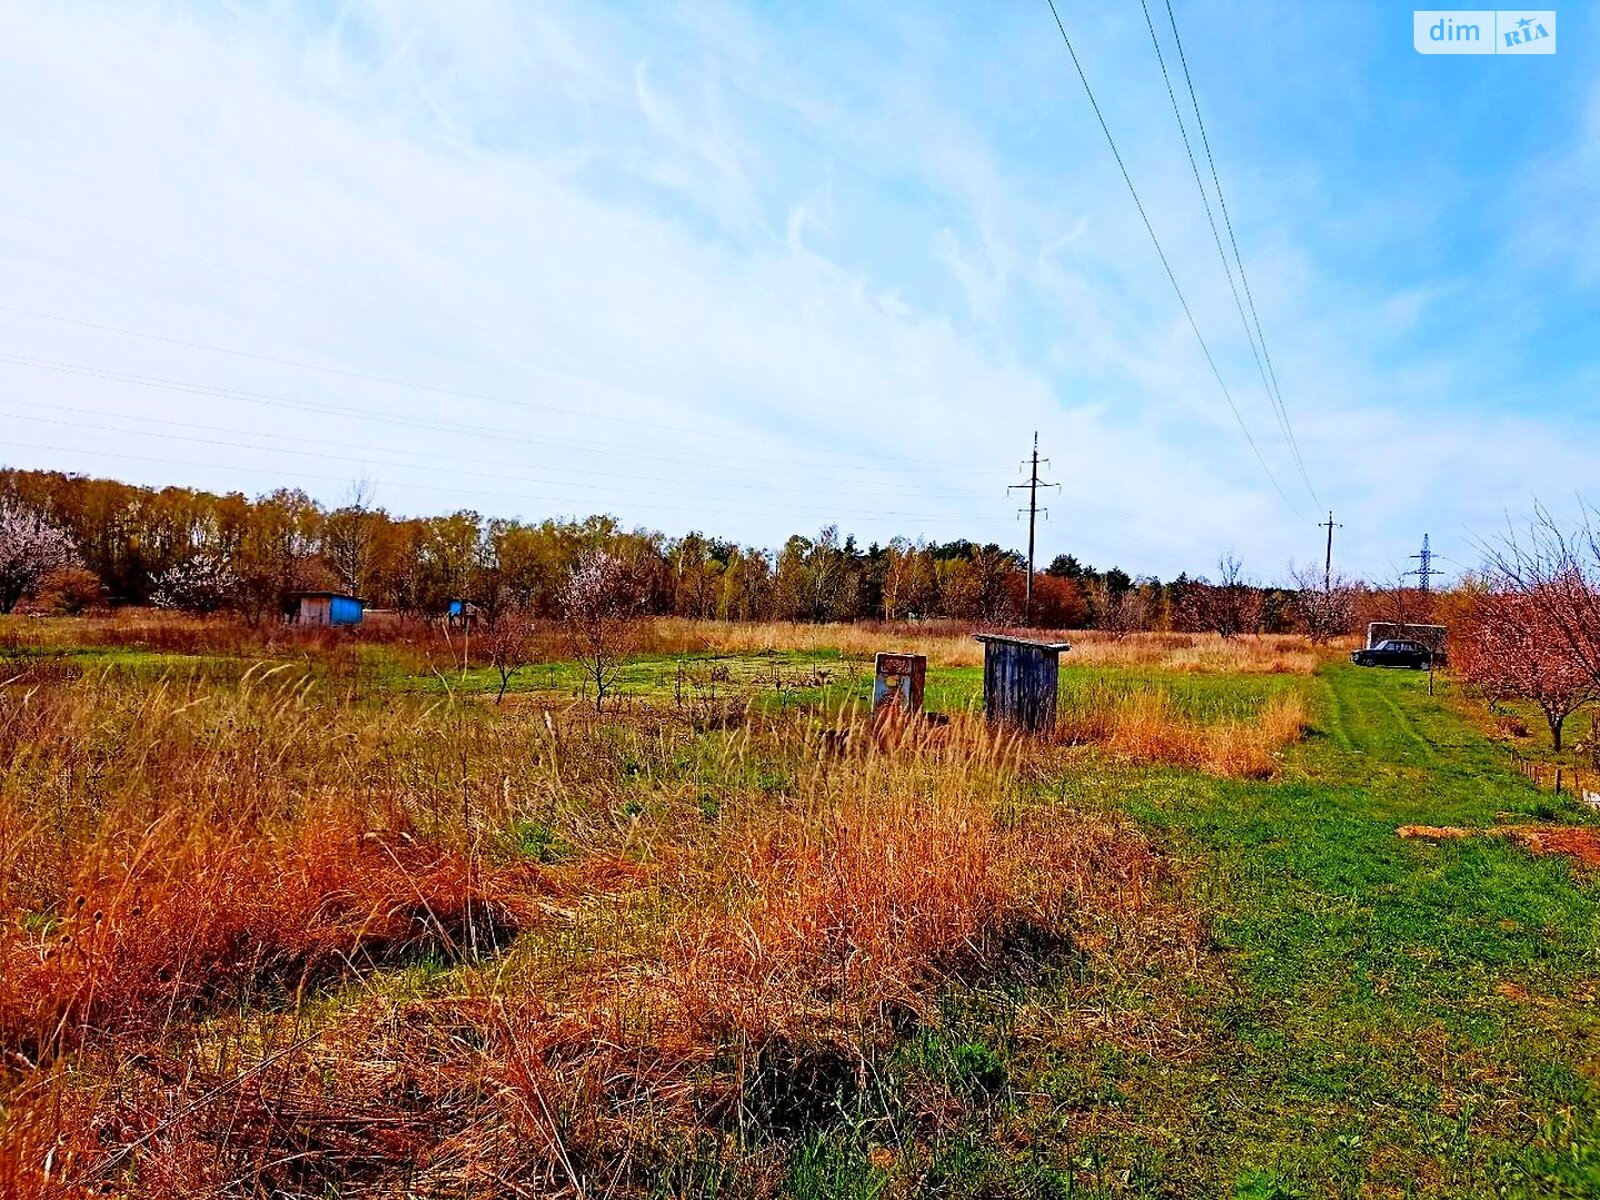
(1388, 1016)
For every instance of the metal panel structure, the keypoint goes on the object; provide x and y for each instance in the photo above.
(344, 610)
(1019, 681)
(329, 608)
(898, 681)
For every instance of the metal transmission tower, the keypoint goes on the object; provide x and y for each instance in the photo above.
(1427, 570)
(1033, 485)
(1327, 563)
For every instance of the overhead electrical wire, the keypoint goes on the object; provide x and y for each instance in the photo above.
(519, 471)
(1167, 265)
(473, 471)
(499, 435)
(465, 429)
(442, 390)
(1274, 400)
(368, 462)
(1227, 221)
(277, 473)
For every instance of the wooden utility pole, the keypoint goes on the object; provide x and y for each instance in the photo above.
(1327, 563)
(1033, 485)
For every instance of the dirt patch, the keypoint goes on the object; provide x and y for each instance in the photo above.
(1580, 843)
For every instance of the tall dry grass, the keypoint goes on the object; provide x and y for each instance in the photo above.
(1145, 726)
(423, 645)
(951, 644)
(213, 894)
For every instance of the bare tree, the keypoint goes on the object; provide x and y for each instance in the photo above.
(508, 640)
(31, 547)
(600, 609)
(1327, 611)
(1559, 575)
(347, 537)
(1230, 606)
(1506, 644)
(1404, 604)
(1119, 613)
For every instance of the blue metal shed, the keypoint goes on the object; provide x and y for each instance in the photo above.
(344, 610)
(329, 608)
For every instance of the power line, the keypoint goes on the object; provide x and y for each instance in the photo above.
(499, 435)
(1327, 563)
(1274, 401)
(368, 460)
(1123, 545)
(278, 473)
(1427, 570)
(823, 514)
(810, 480)
(465, 429)
(442, 390)
(1227, 220)
(1166, 265)
(1033, 485)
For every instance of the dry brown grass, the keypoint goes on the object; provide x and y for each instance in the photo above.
(209, 891)
(1144, 726)
(423, 645)
(950, 644)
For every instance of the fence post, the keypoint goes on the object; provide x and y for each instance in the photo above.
(1558, 781)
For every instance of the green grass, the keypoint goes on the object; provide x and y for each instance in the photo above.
(131, 660)
(1577, 750)
(1346, 1031)
(1368, 966)
(820, 680)
(827, 682)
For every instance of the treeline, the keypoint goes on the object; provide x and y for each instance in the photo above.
(103, 541)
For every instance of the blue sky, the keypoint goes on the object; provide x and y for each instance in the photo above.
(751, 268)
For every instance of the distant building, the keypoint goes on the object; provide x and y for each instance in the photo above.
(328, 608)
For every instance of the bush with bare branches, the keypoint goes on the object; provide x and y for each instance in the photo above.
(1229, 607)
(1558, 574)
(1506, 645)
(600, 609)
(1119, 612)
(510, 641)
(1326, 607)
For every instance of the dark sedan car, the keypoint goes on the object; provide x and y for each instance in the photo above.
(1397, 652)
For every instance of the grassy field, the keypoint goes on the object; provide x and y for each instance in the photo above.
(322, 919)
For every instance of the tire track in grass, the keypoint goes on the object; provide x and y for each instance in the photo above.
(1373, 722)
(1335, 712)
(1407, 727)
